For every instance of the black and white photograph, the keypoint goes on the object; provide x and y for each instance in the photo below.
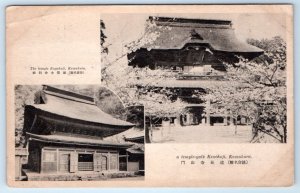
(109, 96)
(77, 132)
(202, 78)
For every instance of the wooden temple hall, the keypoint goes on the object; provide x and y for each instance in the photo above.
(197, 50)
(66, 132)
(192, 45)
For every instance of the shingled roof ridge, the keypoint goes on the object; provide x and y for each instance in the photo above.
(191, 20)
(66, 94)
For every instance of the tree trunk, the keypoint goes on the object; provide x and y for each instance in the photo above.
(235, 126)
(284, 134)
(148, 130)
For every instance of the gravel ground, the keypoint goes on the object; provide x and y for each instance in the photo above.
(128, 179)
(202, 134)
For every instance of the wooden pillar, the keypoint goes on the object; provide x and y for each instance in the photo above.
(188, 121)
(118, 161)
(108, 160)
(42, 158)
(126, 161)
(57, 157)
(225, 120)
(208, 112)
(231, 120)
(17, 167)
(203, 121)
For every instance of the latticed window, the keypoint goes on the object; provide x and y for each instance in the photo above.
(85, 162)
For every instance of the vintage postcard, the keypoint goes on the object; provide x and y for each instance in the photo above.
(150, 96)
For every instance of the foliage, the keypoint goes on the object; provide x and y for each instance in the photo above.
(257, 89)
(110, 103)
(102, 37)
(24, 95)
(135, 115)
(148, 36)
(135, 86)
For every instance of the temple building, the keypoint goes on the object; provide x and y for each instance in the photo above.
(66, 138)
(192, 45)
(196, 49)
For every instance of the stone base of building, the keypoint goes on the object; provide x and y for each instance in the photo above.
(80, 176)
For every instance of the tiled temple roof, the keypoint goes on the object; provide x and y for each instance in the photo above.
(73, 105)
(64, 139)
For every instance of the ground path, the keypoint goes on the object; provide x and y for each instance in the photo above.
(202, 134)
